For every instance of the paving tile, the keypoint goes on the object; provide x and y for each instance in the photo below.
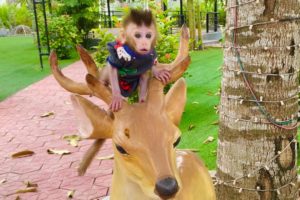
(106, 164)
(36, 177)
(98, 172)
(2, 133)
(57, 168)
(43, 132)
(9, 177)
(74, 156)
(8, 138)
(24, 139)
(57, 194)
(78, 182)
(93, 192)
(50, 184)
(25, 196)
(104, 181)
(10, 188)
(26, 167)
(25, 129)
(7, 166)
(65, 173)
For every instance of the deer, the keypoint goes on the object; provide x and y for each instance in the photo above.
(147, 165)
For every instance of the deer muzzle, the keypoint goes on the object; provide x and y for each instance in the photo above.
(166, 188)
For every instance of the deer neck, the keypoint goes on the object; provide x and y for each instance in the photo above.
(124, 188)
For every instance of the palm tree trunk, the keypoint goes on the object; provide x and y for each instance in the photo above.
(198, 24)
(257, 159)
(191, 19)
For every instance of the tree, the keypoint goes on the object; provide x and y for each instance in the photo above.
(85, 13)
(191, 24)
(198, 24)
(257, 147)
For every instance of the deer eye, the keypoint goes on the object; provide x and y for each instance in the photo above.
(121, 150)
(177, 142)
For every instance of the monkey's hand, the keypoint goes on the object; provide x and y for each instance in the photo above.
(162, 75)
(116, 103)
(123, 54)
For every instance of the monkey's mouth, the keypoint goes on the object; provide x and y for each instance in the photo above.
(144, 51)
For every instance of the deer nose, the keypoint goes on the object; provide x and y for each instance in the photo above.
(167, 187)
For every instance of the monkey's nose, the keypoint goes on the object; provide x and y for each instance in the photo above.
(166, 188)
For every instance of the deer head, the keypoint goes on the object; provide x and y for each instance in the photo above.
(145, 134)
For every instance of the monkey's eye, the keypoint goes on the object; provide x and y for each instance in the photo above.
(148, 35)
(137, 35)
(121, 150)
(177, 142)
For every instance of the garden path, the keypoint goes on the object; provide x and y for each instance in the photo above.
(23, 128)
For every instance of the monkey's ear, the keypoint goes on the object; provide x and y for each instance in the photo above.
(122, 36)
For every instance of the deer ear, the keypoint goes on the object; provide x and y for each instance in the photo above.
(94, 123)
(175, 101)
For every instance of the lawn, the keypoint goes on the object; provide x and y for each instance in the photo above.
(19, 64)
(203, 81)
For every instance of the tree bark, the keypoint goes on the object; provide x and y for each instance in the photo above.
(191, 19)
(249, 146)
(198, 25)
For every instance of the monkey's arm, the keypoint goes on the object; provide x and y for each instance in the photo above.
(161, 74)
(143, 87)
(116, 103)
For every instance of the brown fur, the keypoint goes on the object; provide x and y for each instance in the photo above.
(139, 17)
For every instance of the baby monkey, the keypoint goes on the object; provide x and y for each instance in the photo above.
(132, 58)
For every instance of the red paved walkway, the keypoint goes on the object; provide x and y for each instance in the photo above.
(21, 128)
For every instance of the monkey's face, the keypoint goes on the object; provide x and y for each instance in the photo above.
(140, 38)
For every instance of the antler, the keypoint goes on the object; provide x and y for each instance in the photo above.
(65, 82)
(99, 89)
(176, 68)
(88, 61)
(75, 87)
(182, 60)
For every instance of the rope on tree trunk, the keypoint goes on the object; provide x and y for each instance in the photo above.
(282, 124)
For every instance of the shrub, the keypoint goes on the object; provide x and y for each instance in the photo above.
(167, 43)
(23, 16)
(63, 35)
(4, 16)
(84, 13)
(102, 51)
(12, 15)
(167, 48)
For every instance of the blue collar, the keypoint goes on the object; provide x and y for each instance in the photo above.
(134, 54)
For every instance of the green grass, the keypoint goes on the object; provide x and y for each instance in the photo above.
(203, 81)
(19, 64)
